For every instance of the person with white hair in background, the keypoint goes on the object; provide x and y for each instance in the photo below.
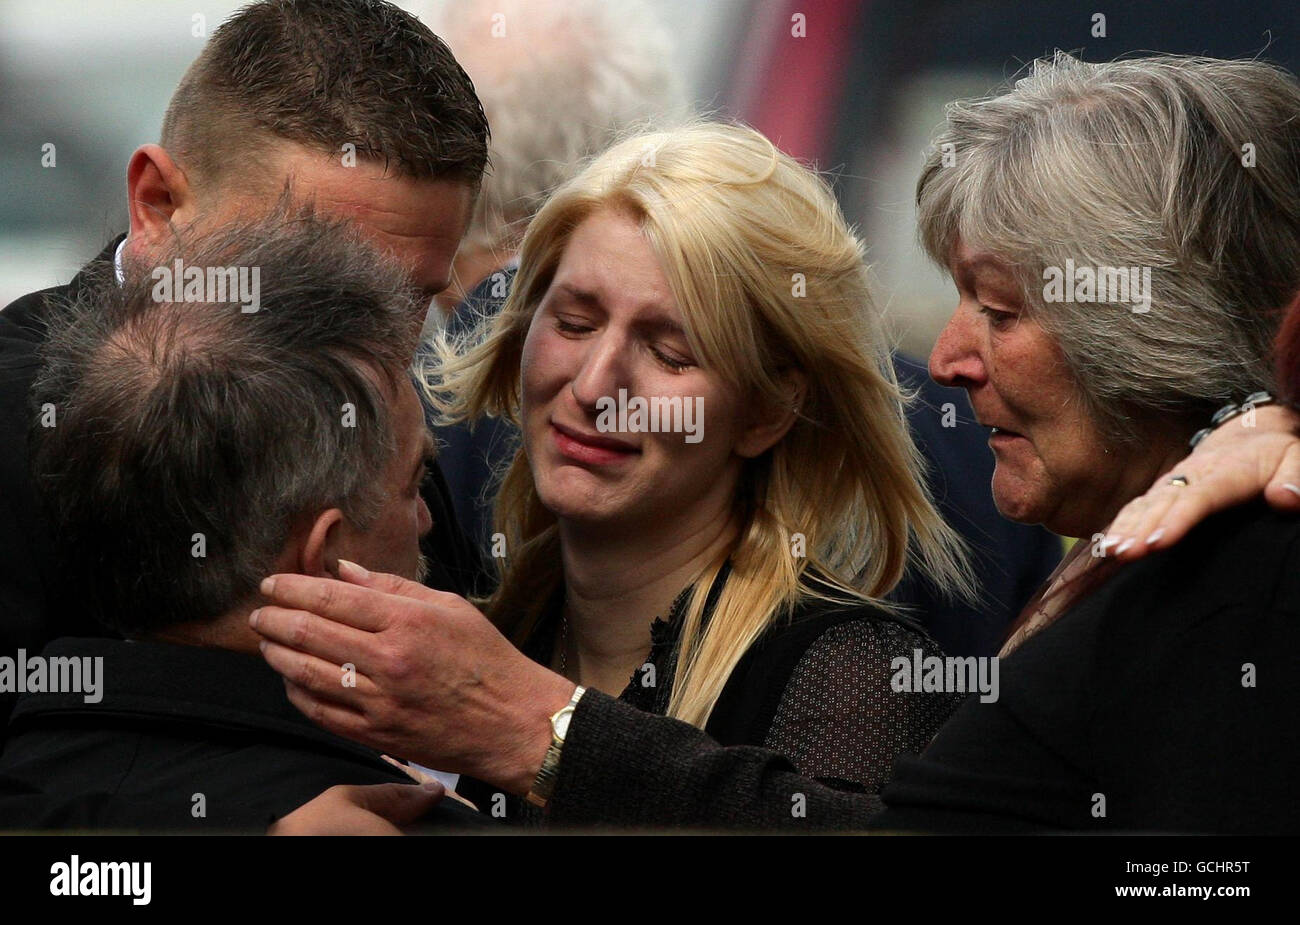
(560, 82)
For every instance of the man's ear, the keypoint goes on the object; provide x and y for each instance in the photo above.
(319, 553)
(769, 423)
(158, 194)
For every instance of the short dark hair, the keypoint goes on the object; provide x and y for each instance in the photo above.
(174, 418)
(325, 73)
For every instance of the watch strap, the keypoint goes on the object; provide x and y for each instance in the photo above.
(544, 783)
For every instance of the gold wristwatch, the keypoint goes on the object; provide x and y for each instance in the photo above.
(544, 785)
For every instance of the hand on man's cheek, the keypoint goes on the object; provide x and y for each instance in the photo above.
(416, 673)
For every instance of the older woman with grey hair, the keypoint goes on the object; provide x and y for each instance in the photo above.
(1125, 242)
(1123, 238)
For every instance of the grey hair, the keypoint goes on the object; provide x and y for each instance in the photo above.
(1135, 163)
(563, 83)
(175, 418)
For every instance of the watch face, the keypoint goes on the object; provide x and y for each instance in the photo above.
(561, 722)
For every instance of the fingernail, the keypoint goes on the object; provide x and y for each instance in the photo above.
(1155, 537)
(1125, 545)
(267, 587)
(349, 569)
(1294, 489)
(432, 785)
(1109, 540)
(252, 617)
(261, 646)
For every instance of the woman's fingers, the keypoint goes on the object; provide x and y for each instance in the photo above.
(436, 682)
(1164, 515)
(350, 604)
(339, 718)
(314, 635)
(1283, 491)
(1253, 465)
(341, 684)
(386, 583)
(1128, 524)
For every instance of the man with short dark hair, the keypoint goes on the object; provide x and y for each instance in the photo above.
(215, 438)
(353, 104)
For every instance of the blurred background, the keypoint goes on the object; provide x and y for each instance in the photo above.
(855, 87)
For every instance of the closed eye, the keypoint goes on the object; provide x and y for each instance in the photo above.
(565, 326)
(675, 363)
(998, 320)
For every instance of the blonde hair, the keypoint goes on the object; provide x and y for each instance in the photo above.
(769, 279)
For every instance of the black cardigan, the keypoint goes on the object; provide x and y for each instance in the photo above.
(1165, 701)
(814, 687)
(1142, 694)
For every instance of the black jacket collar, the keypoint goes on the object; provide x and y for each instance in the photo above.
(163, 684)
(29, 313)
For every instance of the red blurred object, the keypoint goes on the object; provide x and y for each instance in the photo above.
(788, 86)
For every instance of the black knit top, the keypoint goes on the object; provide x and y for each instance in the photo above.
(815, 688)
